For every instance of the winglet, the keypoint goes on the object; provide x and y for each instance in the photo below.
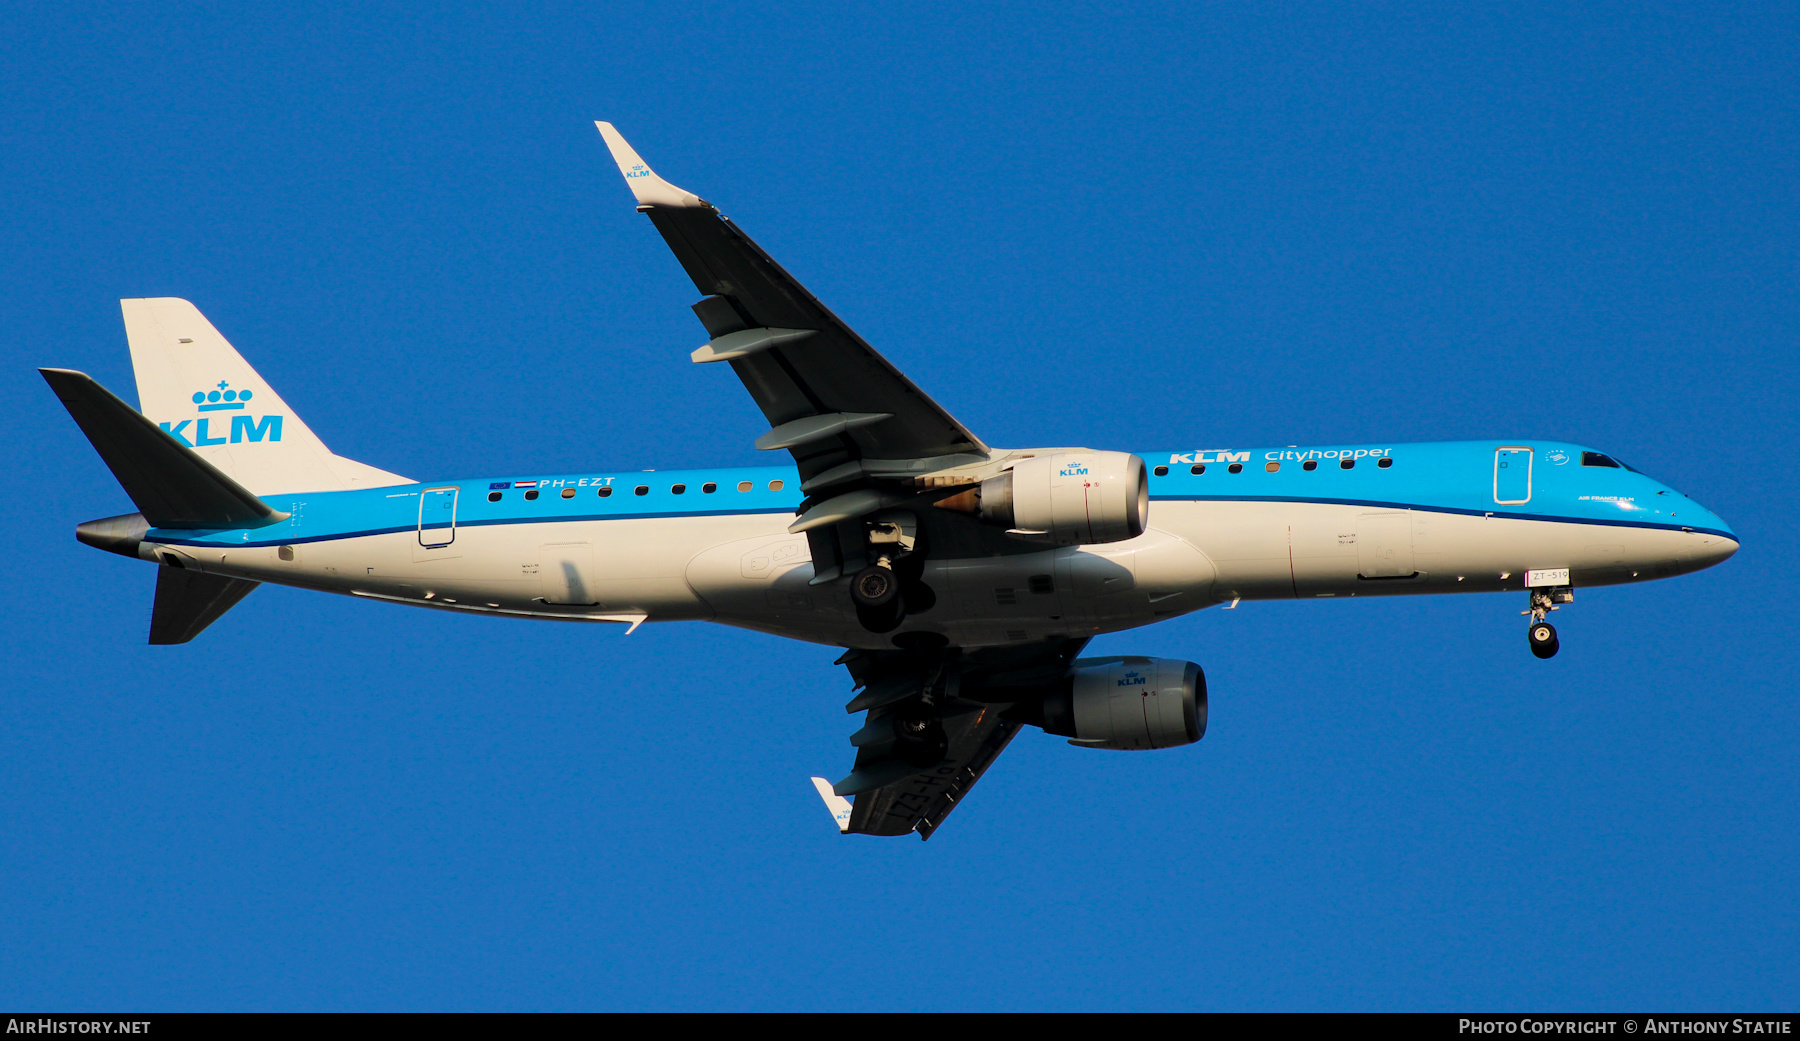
(649, 189)
(837, 804)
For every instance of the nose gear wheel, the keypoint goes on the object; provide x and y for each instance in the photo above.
(1542, 635)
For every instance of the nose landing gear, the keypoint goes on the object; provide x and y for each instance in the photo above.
(1542, 635)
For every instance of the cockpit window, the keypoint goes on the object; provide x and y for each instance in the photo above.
(1596, 459)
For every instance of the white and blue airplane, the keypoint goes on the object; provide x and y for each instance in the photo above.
(963, 580)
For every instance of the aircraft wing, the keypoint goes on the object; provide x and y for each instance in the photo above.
(893, 794)
(830, 399)
(921, 799)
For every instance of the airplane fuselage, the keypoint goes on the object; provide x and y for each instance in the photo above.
(1257, 524)
(964, 580)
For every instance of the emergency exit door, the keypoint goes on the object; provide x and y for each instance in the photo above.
(437, 517)
(1512, 476)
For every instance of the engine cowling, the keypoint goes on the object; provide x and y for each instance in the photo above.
(1129, 704)
(1070, 498)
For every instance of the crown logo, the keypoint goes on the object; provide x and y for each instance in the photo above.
(222, 399)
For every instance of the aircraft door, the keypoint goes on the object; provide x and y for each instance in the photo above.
(437, 517)
(1512, 476)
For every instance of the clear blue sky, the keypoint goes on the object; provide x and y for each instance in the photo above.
(1124, 226)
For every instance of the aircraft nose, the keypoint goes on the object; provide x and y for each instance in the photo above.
(1714, 549)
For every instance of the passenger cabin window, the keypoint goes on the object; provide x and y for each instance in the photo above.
(642, 489)
(1386, 461)
(531, 493)
(1161, 471)
(1596, 459)
(493, 496)
(774, 486)
(1272, 467)
(1197, 469)
(1348, 463)
(1310, 464)
(1236, 468)
(744, 486)
(568, 493)
(708, 488)
(679, 489)
(605, 490)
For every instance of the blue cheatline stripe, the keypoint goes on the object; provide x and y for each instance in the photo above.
(1381, 504)
(153, 536)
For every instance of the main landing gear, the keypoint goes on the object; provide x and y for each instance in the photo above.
(1542, 635)
(875, 590)
(885, 592)
(919, 738)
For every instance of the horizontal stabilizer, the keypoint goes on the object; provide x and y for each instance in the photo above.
(189, 601)
(172, 487)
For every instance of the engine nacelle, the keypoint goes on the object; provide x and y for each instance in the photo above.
(1070, 498)
(1129, 704)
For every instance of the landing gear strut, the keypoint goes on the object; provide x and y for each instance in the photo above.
(919, 737)
(889, 589)
(1542, 635)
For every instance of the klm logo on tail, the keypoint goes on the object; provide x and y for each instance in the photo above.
(223, 399)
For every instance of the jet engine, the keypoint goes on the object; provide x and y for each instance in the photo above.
(1068, 498)
(1128, 704)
